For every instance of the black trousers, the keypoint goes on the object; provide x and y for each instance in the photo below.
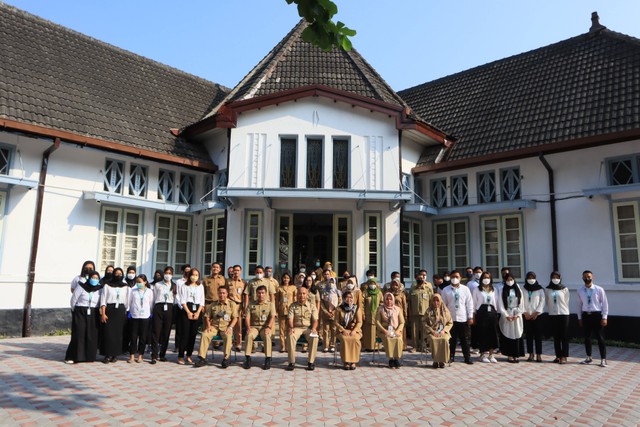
(560, 327)
(591, 325)
(188, 332)
(533, 334)
(138, 337)
(460, 332)
(161, 330)
(486, 329)
(111, 337)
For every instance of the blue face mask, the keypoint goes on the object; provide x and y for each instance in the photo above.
(140, 285)
(94, 282)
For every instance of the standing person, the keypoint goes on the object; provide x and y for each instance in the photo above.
(191, 299)
(108, 274)
(177, 308)
(219, 319)
(114, 304)
(131, 276)
(557, 298)
(250, 291)
(352, 286)
(230, 273)
(84, 321)
(533, 309)
(593, 310)
(511, 306)
(372, 298)
(420, 296)
(157, 277)
(395, 276)
(437, 324)
(390, 322)
(458, 300)
(273, 283)
(330, 299)
(342, 283)
(87, 267)
(211, 285)
(236, 286)
(164, 295)
(285, 296)
(303, 320)
(485, 304)
(140, 305)
(259, 320)
(397, 289)
(473, 283)
(348, 322)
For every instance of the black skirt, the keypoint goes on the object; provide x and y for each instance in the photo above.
(84, 335)
(487, 328)
(112, 332)
(512, 347)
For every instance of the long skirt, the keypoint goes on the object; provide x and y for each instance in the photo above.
(439, 348)
(350, 347)
(512, 347)
(369, 335)
(111, 333)
(84, 335)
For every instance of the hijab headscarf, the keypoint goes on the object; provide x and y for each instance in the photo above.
(87, 286)
(331, 295)
(552, 286)
(390, 314)
(506, 290)
(531, 288)
(349, 309)
(374, 294)
(437, 315)
(115, 283)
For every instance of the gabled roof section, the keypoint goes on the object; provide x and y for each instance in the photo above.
(53, 78)
(582, 90)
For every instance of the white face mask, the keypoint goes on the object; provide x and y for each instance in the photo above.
(446, 278)
(509, 282)
(350, 286)
(455, 280)
(531, 281)
(371, 277)
(555, 281)
(259, 276)
(267, 274)
(332, 285)
(486, 281)
(372, 286)
(313, 276)
(477, 275)
(131, 276)
(302, 270)
(168, 277)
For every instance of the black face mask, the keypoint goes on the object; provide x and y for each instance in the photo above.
(86, 272)
(109, 275)
(119, 278)
(586, 281)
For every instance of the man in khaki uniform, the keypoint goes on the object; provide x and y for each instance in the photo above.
(211, 285)
(250, 293)
(303, 320)
(419, 298)
(285, 296)
(273, 283)
(236, 289)
(259, 319)
(219, 319)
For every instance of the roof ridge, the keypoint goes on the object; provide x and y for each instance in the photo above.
(60, 27)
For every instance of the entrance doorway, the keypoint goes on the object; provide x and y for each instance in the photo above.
(312, 239)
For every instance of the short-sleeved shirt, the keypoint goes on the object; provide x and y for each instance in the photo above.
(252, 288)
(221, 315)
(211, 286)
(236, 289)
(302, 314)
(286, 297)
(419, 299)
(258, 314)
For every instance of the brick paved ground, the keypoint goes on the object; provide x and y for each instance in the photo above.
(37, 389)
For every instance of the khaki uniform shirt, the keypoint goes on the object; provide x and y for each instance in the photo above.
(272, 289)
(211, 286)
(419, 299)
(302, 314)
(259, 314)
(221, 315)
(285, 296)
(253, 285)
(236, 289)
(401, 301)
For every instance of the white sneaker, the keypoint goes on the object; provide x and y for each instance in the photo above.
(586, 361)
(69, 362)
(485, 359)
(493, 360)
(603, 363)
(475, 351)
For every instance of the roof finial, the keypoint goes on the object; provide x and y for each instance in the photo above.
(595, 23)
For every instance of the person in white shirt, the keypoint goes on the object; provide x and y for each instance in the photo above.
(114, 304)
(458, 300)
(164, 294)
(511, 306)
(191, 299)
(485, 303)
(87, 267)
(557, 302)
(473, 283)
(533, 309)
(83, 346)
(140, 306)
(177, 309)
(593, 310)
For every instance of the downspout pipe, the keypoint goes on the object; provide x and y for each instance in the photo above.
(401, 214)
(26, 320)
(552, 209)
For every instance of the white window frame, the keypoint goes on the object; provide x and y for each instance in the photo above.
(284, 242)
(166, 185)
(438, 192)
(121, 237)
(485, 188)
(3, 207)
(502, 244)
(459, 190)
(113, 179)
(250, 266)
(174, 256)
(6, 152)
(635, 169)
(411, 244)
(635, 205)
(510, 184)
(138, 180)
(187, 189)
(452, 246)
(210, 249)
(374, 235)
(338, 262)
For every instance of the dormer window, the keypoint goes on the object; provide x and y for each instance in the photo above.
(113, 176)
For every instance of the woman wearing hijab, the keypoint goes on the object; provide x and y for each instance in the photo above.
(533, 309)
(557, 298)
(131, 276)
(437, 324)
(157, 277)
(108, 275)
(87, 267)
(191, 300)
(485, 306)
(348, 322)
(351, 285)
(84, 321)
(371, 299)
(511, 306)
(330, 299)
(114, 304)
(390, 323)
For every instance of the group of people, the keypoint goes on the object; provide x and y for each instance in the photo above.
(118, 314)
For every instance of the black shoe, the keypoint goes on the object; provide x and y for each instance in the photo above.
(247, 362)
(114, 359)
(468, 361)
(163, 359)
(225, 363)
(267, 364)
(391, 364)
(106, 360)
(200, 363)
(451, 360)
(398, 364)
(290, 367)
(436, 365)
(154, 361)
(311, 367)
(442, 365)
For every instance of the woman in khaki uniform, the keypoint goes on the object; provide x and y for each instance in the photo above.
(348, 322)
(390, 323)
(437, 324)
(285, 296)
(372, 297)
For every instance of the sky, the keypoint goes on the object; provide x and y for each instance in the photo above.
(408, 42)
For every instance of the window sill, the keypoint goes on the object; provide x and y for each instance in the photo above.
(481, 207)
(136, 202)
(609, 190)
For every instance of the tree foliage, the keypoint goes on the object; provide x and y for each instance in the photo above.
(322, 31)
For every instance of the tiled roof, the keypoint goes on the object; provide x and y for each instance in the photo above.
(294, 63)
(585, 86)
(57, 78)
